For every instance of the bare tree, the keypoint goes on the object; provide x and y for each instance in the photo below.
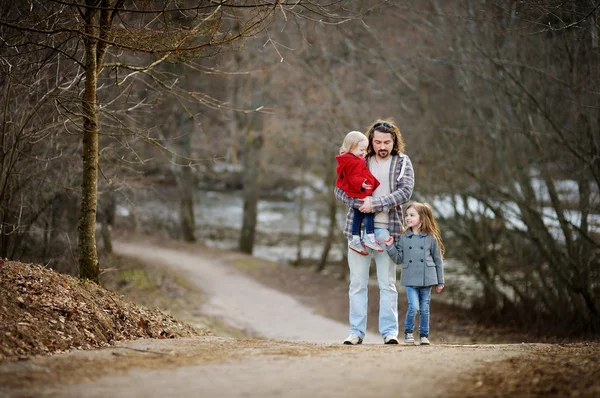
(525, 133)
(101, 37)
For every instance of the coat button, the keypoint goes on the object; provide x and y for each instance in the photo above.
(410, 247)
(421, 260)
(410, 261)
(421, 247)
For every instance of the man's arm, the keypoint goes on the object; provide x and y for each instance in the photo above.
(399, 196)
(347, 200)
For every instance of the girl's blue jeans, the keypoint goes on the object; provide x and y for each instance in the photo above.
(418, 301)
(358, 291)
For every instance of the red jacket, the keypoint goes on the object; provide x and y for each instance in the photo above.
(352, 171)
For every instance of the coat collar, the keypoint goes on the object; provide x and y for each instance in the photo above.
(410, 233)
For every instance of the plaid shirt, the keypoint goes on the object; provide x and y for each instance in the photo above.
(402, 182)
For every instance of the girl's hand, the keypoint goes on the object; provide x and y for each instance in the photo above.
(439, 288)
(389, 241)
(365, 185)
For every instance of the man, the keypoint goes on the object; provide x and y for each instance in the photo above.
(393, 169)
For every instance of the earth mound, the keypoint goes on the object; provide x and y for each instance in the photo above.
(44, 312)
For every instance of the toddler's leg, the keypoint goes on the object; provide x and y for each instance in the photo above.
(370, 241)
(356, 224)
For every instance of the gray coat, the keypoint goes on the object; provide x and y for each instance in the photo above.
(421, 260)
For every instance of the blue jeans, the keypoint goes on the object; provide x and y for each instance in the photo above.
(418, 301)
(357, 220)
(358, 291)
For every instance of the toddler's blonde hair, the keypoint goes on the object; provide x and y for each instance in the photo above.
(351, 141)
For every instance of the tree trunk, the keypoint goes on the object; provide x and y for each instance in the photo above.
(88, 255)
(300, 217)
(105, 230)
(188, 222)
(331, 231)
(107, 213)
(332, 205)
(254, 142)
(186, 204)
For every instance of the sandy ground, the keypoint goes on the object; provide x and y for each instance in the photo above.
(300, 354)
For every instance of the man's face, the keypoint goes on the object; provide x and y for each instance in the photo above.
(383, 143)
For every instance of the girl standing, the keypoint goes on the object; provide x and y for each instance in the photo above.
(420, 251)
(356, 180)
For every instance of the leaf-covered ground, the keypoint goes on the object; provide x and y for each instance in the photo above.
(43, 312)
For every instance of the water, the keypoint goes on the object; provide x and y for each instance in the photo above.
(278, 225)
(219, 220)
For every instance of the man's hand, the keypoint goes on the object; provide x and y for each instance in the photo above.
(365, 185)
(367, 206)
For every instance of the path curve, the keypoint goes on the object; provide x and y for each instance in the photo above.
(244, 303)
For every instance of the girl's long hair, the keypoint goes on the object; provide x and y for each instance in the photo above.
(428, 223)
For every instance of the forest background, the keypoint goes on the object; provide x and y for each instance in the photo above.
(108, 106)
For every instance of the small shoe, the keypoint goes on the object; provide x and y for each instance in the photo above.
(425, 340)
(409, 338)
(373, 244)
(357, 247)
(353, 339)
(390, 339)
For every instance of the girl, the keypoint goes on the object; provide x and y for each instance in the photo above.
(420, 251)
(356, 180)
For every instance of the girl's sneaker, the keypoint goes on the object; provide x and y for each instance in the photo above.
(357, 247)
(373, 244)
(409, 338)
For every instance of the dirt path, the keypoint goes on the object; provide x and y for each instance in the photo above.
(244, 303)
(302, 355)
(225, 367)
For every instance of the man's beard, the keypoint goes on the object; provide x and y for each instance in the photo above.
(383, 153)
